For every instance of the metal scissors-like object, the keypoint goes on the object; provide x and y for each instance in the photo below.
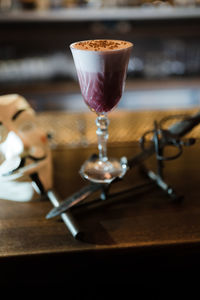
(161, 138)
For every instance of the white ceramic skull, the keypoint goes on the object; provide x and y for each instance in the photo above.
(24, 150)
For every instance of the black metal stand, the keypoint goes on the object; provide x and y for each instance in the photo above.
(159, 134)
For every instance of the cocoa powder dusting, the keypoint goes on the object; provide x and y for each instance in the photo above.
(102, 45)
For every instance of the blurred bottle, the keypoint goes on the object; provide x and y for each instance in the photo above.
(28, 4)
(42, 4)
(35, 4)
(184, 2)
(76, 3)
(55, 4)
(70, 3)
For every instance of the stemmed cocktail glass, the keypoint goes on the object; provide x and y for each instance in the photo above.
(101, 66)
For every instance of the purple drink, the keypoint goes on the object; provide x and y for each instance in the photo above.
(101, 67)
(101, 92)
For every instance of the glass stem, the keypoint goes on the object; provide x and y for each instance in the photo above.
(102, 123)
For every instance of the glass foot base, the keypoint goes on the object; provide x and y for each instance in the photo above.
(103, 171)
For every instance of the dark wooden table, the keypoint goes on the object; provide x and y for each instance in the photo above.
(140, 237)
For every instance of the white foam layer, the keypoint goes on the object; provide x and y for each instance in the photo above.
(101, 61)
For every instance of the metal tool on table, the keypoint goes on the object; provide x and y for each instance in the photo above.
(67, 217)
(168, 139)
(170, 136)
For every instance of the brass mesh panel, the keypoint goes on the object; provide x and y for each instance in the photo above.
(79, 129)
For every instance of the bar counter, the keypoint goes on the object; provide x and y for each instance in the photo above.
(137, 237)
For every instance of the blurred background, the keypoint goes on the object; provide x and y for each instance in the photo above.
(164, 70)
